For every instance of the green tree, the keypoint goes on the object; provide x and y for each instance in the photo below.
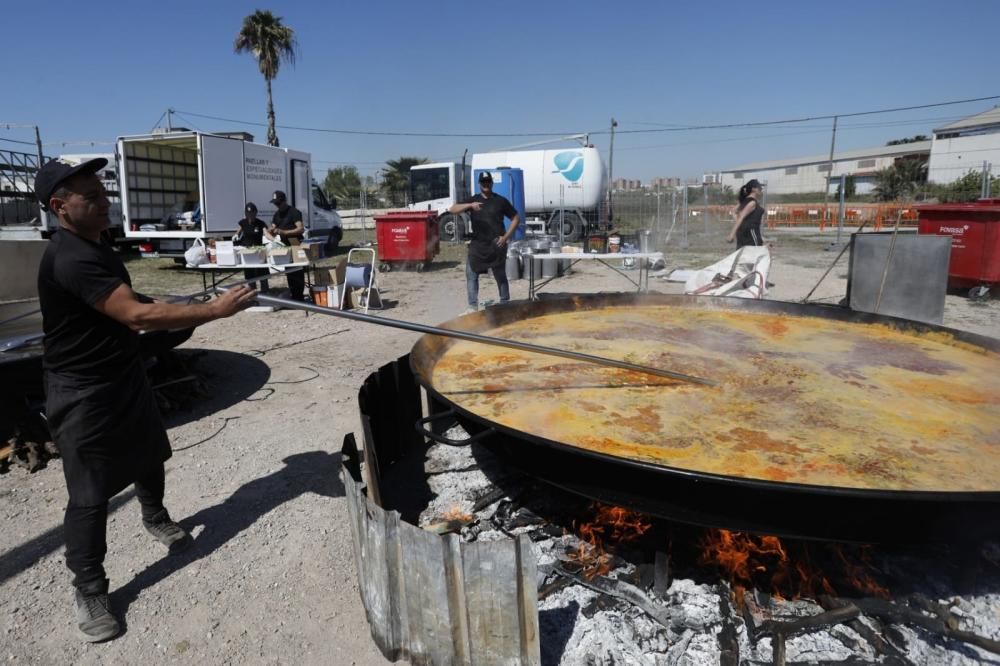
(850, 188)
(271, 43)
(396, 178)
(901, 180)
(913, 139)
(966, 188)
(343, 182)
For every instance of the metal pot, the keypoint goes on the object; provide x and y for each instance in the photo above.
(683, 493)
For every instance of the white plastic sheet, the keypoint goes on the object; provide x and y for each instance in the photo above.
(743, 274)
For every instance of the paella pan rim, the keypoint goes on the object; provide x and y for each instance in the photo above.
(429, 348)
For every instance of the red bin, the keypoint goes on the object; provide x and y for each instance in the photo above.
(975, 241)
(407, 237)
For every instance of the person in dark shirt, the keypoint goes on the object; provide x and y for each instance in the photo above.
(488, 247)
(288, 227)
(250, 232)
(99, 405)
(748, 217)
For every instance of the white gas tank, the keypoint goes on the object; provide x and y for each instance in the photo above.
(578, 171)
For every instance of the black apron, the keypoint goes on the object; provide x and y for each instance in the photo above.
(484, 255)
(109, 433)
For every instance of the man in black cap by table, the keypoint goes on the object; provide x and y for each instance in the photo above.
(99, 405)
(488, 247)
(288, 227)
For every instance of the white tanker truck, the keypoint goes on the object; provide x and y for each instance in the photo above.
(571, 180)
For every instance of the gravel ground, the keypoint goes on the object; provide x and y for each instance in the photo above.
(271, 577)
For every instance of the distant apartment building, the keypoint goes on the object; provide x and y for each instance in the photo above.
(625, 185)
(663, 183)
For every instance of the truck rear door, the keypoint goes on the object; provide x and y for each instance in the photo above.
(222, 182)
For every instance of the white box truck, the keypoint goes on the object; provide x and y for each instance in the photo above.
(572, 180)
(180, 186)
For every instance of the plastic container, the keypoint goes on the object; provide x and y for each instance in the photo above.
(407, 237)
(597, 243)
(320, 296)
(975, 241)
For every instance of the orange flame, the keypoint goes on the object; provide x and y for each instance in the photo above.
(456, 512)
(610, 526)
(765, 562)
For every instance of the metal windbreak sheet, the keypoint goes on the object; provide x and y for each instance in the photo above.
(802, 400)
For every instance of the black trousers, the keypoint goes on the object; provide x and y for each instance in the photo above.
(296, 284)
(256, 272)
(86, 529)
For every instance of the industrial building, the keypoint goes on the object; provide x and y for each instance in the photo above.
(953, 151)
(963, 146)
(809, 174)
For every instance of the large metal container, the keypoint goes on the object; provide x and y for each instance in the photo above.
(845, 491)
(513, 266)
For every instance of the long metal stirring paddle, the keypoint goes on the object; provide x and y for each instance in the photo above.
(476, 337)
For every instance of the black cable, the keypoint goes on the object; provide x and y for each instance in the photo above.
(300, 381)
(225, 422)
(682, 128)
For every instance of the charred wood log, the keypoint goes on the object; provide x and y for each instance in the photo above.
(729, 642)
(623, 591)
(897, 614)
(892, 654)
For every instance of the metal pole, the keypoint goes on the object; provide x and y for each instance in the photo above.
(611, 166)
(170, 125)
(983, 191)
(38, 145)
(476, 337)
(840, 211)
(989, 181)
(829, 172)
(562, 216)
(684, 235)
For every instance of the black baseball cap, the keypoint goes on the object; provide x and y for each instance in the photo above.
(485, 177)
(57, 171)
(278, 197)
(752, 183)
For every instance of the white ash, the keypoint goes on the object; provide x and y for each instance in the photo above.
(618, 633)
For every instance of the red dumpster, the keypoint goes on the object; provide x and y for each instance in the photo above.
(975, 246)
(407, 238)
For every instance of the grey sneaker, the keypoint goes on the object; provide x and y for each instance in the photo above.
(167, 532)
(95, 623)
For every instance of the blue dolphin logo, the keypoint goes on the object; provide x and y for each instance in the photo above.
(569, 164)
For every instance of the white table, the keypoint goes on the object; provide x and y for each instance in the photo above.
(644, 259)
(219, 274)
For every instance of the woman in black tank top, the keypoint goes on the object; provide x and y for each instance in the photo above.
(748, 217)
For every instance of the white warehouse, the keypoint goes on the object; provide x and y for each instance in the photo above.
(963, 146)
(809, 174)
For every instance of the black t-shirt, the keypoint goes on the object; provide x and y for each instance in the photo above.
(74, 274)
(487, 222)
(287, 219)
(252, 234)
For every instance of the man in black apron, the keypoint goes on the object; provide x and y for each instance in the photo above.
(99, 404)
(488, 247)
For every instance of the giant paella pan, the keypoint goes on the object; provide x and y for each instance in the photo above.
(824, 423)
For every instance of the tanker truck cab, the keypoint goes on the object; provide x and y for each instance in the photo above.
(438, 187)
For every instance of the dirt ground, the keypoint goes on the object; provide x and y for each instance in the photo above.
(271, 577)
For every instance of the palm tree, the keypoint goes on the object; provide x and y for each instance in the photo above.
(271, 43)
(396, 177)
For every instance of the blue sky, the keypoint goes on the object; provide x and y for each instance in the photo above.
(94, 71)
